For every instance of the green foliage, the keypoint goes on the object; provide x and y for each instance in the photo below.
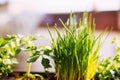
(27, 45)
(31, 48)
(33, 58)
(36, 52)
(75, 52)
(9, 48)
(105, 70)
(13, 45)
(46, 63)
(109, 69)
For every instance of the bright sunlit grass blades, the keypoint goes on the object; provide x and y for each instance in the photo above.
(75, 52)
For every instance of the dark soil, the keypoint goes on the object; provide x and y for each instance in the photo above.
(15, 75)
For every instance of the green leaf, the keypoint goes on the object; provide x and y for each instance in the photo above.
(35, 53)
(10, 37)
(47, 52)
(3, 42)
(32, 37)
(31, 48)
(46, 49)
(46, 63)
(33, 58)
(17, 51)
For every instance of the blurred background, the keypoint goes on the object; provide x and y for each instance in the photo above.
(31, 16)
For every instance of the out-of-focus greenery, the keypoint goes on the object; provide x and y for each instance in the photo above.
(13, 45)
(109, 69)
(9, 48)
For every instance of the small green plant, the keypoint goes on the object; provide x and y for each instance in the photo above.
(27, 45)
(75, 52)
(9, 48)
(105, 70)
(13, 45)
(109, 69)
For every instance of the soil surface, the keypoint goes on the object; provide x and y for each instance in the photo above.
(16, 75)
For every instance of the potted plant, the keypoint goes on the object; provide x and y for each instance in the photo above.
(75, 52)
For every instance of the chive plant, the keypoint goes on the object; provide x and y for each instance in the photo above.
(76, 51)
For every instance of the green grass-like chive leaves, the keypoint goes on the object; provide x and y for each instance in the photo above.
(76, 51)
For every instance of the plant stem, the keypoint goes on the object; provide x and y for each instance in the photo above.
(28, 67)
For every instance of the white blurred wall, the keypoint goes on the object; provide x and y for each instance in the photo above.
(24, 23)
(54, 6)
